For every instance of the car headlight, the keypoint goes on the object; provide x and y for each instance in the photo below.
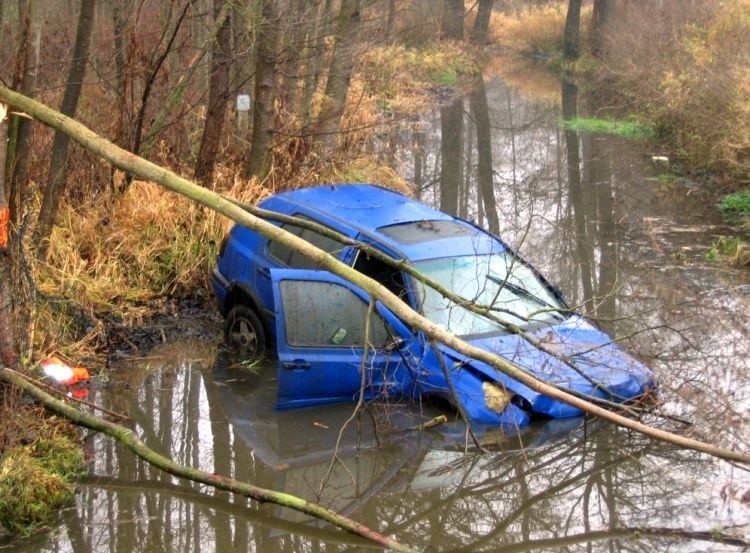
(496, 397)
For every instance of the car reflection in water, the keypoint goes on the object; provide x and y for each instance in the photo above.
(340, 456)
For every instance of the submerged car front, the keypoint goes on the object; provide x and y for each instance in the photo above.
(502, 305)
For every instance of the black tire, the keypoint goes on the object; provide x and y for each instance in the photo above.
(244, 332)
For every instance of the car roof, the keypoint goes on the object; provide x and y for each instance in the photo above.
(368, 209)
(364, 206)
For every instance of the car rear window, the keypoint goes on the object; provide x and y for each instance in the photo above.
(425, 231)
(296, 260)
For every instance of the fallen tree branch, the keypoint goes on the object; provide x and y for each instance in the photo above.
(130, 162)
(127, 437)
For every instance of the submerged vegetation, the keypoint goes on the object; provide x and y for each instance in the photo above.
(732, 249)
(626, 129)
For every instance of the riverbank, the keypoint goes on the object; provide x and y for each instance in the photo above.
(682, 72)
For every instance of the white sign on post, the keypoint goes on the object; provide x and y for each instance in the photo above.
(243, 102)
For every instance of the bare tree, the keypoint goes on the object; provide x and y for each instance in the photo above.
(7, 342)
(601, 19)
(340, 70)
(58, 164)
(482, 22)
(314, 58)
(25, 78)
(259, 157)
(218, 94)
(452, 23)
(571, 36)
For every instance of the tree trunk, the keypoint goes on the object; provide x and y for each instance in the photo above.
(389, 19)
(156, 64)
(340, 71)
(297, 28)
(8, 353)
(600, 21)
(119, 19)
(452, 23)
(251, 218)
(259, 157)
(481, 112)
(31, 45)
(571, 37)
(315, 63)
(451, 155)
(218, 94)
(58, 164)
(482, 22)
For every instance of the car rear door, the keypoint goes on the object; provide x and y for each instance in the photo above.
(322, 328)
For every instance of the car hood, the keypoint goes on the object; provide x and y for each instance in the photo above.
(573, 355)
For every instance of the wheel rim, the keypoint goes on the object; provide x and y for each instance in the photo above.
(243, 336)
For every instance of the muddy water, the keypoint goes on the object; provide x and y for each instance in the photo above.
(593, 214)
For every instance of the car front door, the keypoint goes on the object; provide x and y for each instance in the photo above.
(329, 349)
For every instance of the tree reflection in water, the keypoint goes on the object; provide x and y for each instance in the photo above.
(562, 484)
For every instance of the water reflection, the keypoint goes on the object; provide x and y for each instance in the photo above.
(591, 214)
(562, 484)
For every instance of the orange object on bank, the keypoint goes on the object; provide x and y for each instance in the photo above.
(4, 226)
(58, 370)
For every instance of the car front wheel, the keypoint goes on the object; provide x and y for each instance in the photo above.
(244, 332)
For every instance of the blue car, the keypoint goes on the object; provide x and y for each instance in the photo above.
(330, 350)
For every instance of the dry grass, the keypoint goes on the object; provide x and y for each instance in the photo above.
(536, 32)
(122, 259)
(398, 76)
(689, 73)
(705, 96)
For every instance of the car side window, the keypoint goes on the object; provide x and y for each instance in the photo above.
(295, 260)
(325, 314)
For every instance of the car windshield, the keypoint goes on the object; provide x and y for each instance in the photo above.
(500, 281)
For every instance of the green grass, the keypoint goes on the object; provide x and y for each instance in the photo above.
(725, 247)
(626, 129)
(736, 207)
(36, 480)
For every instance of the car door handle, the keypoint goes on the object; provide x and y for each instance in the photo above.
(297, 364)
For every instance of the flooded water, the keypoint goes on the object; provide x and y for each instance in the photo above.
(626, 246)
